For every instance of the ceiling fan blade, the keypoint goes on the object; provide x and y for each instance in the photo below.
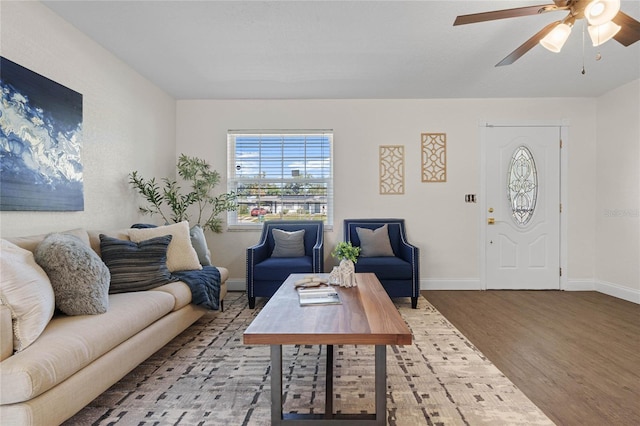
(527, 45)
(506, 13)
(630, 32)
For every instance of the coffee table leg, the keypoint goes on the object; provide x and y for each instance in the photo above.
(276, 384)
(381, 384)
(328, 402)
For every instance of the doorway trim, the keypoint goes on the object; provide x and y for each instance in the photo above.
(563, 125)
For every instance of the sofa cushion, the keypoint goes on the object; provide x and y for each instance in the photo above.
(136, 266)
(279, 268)
(385, 267)
(68, 344)
(181, 255)
(180, 292)
(79, 278)
(94, 237)
(25, 289)
(375, 242)
(31, 242)
(6, 333)
(288, 243)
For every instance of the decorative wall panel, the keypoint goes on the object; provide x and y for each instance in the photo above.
(391, 169)
(434, 157)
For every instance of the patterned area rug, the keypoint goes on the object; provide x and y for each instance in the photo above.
(206, 376)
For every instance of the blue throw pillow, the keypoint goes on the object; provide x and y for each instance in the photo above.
(136, 266)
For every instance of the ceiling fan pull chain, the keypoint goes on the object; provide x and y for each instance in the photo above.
(583, 70)
(598, 55)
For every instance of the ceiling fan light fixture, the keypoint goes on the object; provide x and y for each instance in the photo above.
(556, 38)
(599, 12)
(602, 33)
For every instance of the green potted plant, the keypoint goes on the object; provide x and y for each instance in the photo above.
(175, 205)
(345, 273)
(345, 250)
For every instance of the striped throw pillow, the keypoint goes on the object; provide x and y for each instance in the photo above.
(136, 266)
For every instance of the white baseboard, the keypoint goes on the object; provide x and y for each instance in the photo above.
(616, 290)
(236, 284)
(239, 284)
(611, 289)
(446, 284)
(580, 285)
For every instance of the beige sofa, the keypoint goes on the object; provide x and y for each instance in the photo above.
(76, 358)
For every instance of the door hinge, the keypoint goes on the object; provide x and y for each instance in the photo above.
(560, 271)
(560, 143)
(560, 207)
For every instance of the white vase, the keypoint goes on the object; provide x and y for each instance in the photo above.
(334, 276)
(347, 273)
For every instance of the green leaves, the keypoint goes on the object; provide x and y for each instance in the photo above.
(202, 181)
(345, 250)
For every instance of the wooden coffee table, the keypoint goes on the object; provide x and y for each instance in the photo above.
(366, 316)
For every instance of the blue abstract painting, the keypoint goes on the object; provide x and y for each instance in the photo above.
(40, 142)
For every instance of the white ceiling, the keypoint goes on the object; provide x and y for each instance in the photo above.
(346, 49)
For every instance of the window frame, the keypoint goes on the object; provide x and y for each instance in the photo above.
(233, 180)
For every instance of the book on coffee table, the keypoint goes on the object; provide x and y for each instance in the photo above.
(318, 296)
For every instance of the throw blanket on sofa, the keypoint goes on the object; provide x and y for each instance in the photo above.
(204, 285)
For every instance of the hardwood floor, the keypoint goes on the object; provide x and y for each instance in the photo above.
(576, 355)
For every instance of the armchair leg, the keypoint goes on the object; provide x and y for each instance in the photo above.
(252, 302)
(414, 302)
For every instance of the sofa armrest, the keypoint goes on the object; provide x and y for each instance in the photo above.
(318, 257)
(407, 251)
(6, 333)
(411, 254)
(259, 252)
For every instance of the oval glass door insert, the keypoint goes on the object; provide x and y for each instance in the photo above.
(522, 185)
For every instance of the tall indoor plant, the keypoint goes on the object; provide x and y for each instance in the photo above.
(197, 205)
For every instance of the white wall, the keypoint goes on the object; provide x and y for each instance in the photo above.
(128, 123)
(438, 220)
(618, 193)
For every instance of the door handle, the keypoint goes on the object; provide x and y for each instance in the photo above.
(491, 221)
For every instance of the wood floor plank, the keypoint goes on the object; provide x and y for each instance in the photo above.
(576, 355)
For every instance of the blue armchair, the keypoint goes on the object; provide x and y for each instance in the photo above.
(399, 273)
(266, 272)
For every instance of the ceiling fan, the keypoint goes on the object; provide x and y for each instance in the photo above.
(605, 19)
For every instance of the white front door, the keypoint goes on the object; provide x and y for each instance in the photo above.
(522, 202)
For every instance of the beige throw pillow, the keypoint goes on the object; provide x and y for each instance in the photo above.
(26, 290)
(288, 244)
(181, 256)
(375, 242)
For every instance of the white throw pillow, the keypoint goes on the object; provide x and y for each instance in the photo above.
(26, 290)
(181, 256)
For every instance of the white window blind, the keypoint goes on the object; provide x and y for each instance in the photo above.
(280, 175)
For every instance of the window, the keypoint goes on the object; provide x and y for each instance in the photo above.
(280, 175)
(522, 185)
